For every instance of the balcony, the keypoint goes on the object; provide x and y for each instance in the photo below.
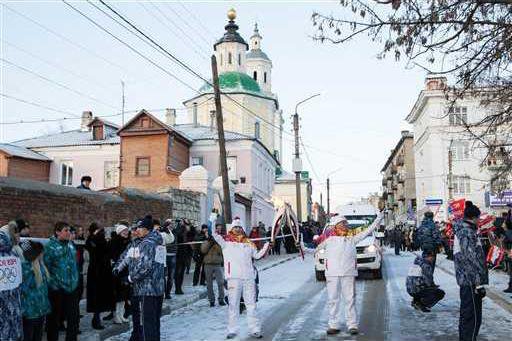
(401, 197)
(394, 169)
(400, 160)
(401, 178)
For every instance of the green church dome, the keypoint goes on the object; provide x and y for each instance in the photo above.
(234, 81)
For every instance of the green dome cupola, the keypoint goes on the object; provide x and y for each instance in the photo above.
(233, 81)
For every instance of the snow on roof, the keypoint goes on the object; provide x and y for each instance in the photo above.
(67, 138)
(22, 152)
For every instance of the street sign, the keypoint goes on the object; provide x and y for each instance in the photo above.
(500, 199)
(433, 202)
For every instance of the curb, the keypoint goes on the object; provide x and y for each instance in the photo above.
(166, 309)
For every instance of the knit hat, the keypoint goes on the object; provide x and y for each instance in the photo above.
(31, 249)
(471, 211)
(429, 215)
(146, 223)
(337, 219)
(120, 228)
(235, 223)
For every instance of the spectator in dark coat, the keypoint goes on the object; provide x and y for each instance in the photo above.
(190, 236)
(85, 182)
(181, 257)
(470, 272)
(100, 291)
(119, 243)
(199, 275)
(429, 236)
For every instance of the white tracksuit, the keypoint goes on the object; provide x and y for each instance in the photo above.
(340, 273)
(239, 272)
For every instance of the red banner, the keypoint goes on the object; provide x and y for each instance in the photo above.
(457, 208)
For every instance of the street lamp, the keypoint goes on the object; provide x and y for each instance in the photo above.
(328, 189)
(297, 164)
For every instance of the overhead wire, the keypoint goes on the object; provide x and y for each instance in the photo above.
(58, 84)
(186, 22)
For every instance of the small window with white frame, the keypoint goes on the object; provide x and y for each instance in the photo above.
(461, 185)
(66, 173)
(197, 161)
(458, 116)
(111, 174)
(460, 151)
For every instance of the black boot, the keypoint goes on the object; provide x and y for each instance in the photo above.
(96, 322)
(509, 289)
(109, 317)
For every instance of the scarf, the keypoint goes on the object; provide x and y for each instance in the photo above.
(238, 237)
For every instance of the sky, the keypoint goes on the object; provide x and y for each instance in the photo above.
(54, 57)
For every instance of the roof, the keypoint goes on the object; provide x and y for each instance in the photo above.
(231, 35)
(22, 152)
(257, 53)
(195, 133)
(234, 81)
(65, 139)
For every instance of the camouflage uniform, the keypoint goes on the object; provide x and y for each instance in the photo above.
(471, 272)
(429, 236)
(415, 284)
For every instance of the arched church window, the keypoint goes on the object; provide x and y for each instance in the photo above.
(221, 59)
(255, 75)
(264, 77)
(257, 130)
(230, 58)
(239, 59)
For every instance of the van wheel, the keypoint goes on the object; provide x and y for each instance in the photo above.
(320, 276)
(377, 274)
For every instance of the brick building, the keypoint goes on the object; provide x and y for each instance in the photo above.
(153, 154)
(19, 162)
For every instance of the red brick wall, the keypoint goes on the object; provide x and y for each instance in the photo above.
(43, 204)
(29, 169)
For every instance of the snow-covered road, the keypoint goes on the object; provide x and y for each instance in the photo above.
(293, 306)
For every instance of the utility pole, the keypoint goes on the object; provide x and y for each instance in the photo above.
(122, 106)
(297, 165)
(328, 196)
(222, 143)
(450, 171)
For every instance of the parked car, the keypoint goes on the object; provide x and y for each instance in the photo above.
(369, 254)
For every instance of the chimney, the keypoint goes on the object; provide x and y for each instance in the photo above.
(86, 119)
(170, 116)
(194, 115)
(435, 82)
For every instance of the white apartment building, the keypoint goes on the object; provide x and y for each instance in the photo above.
(437, 129)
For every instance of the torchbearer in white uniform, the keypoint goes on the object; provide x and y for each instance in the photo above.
(239, 252)
(340, 243)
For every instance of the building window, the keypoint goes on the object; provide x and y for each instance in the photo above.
(458, 116)
(144, 122)
(197, 161)
(257, 130)
(460, 151)
(239, 59)
(255, 75)
(230, 58)
(264, 77)
(111, 178)
(231, 161)
(143, 166)
(221, 59)
(66, 173)
(461, 185)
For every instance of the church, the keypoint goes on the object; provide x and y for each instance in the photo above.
(245, 77)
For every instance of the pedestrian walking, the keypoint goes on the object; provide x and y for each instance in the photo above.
(60, 260)
(100, 283)
(420, 283)
(213, 261)
(146, 263)
(34, 291)
(397, 239)
(341, 270)
(10, 290)
(199, 274)
(119, 242)
(429, 236)
(239, 252)
(470, 272)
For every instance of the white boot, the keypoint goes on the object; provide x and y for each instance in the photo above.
(118, 315)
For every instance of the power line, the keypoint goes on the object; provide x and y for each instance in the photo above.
(17, 99)
(69, 41)
(187, 23)
(55, 65)
(195, 17)
(308, 159)
(63, 86)
(201, 52)
(126, 44)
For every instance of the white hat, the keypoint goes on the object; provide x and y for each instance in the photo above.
(235, 223)
(336, 220)
(120, 228)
